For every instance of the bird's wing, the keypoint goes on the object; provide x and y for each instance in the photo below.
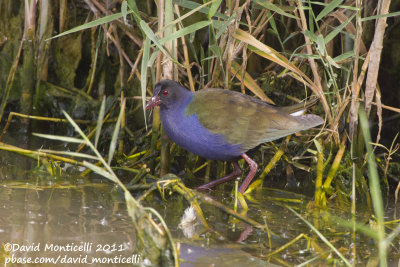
(242, 119)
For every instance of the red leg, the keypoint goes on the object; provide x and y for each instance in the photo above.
(245, 233)
(253, 169)
(235, 173)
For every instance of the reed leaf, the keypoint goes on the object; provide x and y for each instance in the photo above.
(135, 11)
(331, 6)
(275, 8)
(69, 153)
(213, 8)
(114, 138)
(143, 77)
(374, 186)
(321, 236)
(60, 138)
(89, 25)
(101, 171)
(338, 29)
(124, 10)
(271, 54)
(344, 56)
(339, 6)
(100, 121)
(203, 9)
(222, 28)
(393, 14)
(150, 34)
(185, 31)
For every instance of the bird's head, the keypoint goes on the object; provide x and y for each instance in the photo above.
(166, 93)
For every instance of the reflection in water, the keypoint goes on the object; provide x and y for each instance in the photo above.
(66, 225)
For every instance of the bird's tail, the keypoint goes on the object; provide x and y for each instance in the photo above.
(299, 108)
(309, 121)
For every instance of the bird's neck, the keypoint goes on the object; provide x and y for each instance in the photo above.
(179, 106)
(175, 115)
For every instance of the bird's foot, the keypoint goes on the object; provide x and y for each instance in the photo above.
(253, 169)
(203, 188)
(235, 173)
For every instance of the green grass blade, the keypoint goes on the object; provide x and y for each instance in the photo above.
(168, 17)
(152, 58)
(135, 11)
(321, 236)
(274, 8)
(100, 171)
(337, 30)
(360, 227)
(124, 10)
(274, 28)
(331, 6)
(321, 44)
(184, 31)
(392, 235)
(60, 138)
(213, 8)
(311, 35)
(340, 6)
(71, 154)
(382, 16)
(194, 5)
(76, 127)
(114, 138)
(110, 172)
(89, 25)
(143, 72)
(374, 187)
(186, 15)
(344, 56)
(221, 29)
(100, 121)
(306, 263)
(311, 17)
(150, 34)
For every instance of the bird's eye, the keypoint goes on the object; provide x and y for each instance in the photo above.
(165, 92)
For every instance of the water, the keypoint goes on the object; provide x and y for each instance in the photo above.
(69, 224)
(75, 223)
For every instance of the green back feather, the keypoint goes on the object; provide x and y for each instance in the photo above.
(245, 120)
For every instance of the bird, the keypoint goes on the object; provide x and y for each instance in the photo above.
(221, 124)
